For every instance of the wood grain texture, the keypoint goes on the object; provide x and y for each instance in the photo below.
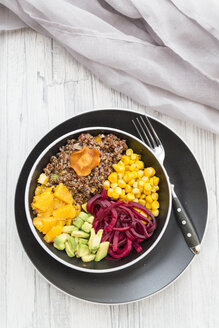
(40, 86)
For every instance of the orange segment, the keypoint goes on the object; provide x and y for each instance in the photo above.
(44, 201)
(65, 212)
(44, 214)
(58, 203)
(83, 161)
(53, 232)
(46, 223)
(63, 194)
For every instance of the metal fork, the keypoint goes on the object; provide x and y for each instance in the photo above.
(150, 137)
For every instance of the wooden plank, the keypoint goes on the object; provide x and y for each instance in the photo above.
(40, 86)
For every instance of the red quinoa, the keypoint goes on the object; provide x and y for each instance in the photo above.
(83, 188)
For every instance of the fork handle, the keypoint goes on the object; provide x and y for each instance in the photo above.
(186, 225)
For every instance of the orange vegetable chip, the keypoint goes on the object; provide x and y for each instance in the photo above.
(83, 161)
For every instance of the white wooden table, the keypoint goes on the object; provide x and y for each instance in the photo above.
(41, 86)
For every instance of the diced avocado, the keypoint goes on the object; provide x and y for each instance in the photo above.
(83, 250)
(80, 234)
(95, 242)
(90, 219)
(77, 250)
(69, 229)
(102, 251)
(100, 233)
(69, 249)
(59, 241)
(83, 216)
(86, 227)
(73, 243)
(75, 229)
(88, 258)
(92, 234)
(83, 241)
(78, 222)
(84, 207)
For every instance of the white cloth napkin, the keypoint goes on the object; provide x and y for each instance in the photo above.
(164, 54)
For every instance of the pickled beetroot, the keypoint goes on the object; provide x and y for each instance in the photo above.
(121, 223)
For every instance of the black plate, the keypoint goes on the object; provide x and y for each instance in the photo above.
(166, 261)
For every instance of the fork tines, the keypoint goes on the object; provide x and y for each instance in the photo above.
(146, 132)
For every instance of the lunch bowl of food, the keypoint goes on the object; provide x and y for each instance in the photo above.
(97, 200)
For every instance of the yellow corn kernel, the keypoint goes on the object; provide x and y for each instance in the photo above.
(148, 205)
(125, 159)
(147, 186)
(141, 184)
(142, 202)
(121, 183)
(106, 184)
(133, 167)
(113, 185)
(115, 195)
(143, 213)
(112, 177)
(131, 162)
(156, 181)
(120, 175)
(110, 192)
(135, 175)
(138, 195)
(140, 173)
(136, 200)
(149, 199)
(140, 164)
(128, 188)
(149, 172)
(126, 177)
(151, 181)
(135, 191)
(131, 182)
(127, 168)
(132, 175)
(118, 190)
(130, 197)
(134, 157)
(135, 184)
(143, 196)
(123, 192)
(141, 190)
(154, 196)
(129, 152)
(145, 179)
(122, 197)
(98, 139)
(155, 205)
(155, 212)
(156, 188)
(119, 167)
